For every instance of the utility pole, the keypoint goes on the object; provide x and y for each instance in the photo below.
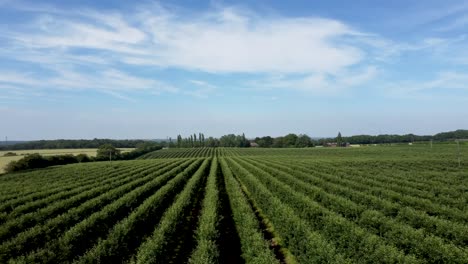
(110, 155)
(458, 151)
(431, 143)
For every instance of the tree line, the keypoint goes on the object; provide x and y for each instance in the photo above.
(73, 144)
(104, 152)
(407, 138)
(302, 141)
(231, 140)
(193, 141)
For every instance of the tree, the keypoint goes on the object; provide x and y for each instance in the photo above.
(289, 141)
(278, 142)
(264, 142)
(179, 141)
(303, 141)
(82, 158)
(107, 151)
(339, 140)
(212, 142)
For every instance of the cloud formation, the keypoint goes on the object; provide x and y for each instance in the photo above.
(221, 40)
(106, 50)
(225, 40)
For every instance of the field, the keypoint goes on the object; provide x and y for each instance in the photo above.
(46, 152)
(384, 204)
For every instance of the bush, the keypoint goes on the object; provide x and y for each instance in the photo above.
(36, 161)
(83, 158)
(9, 154)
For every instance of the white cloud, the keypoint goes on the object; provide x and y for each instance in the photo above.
(445, 80)
(230, 41)
(305, 53)
(457, 23)
(224, 40)
(201, 90)
(112, 82)
(319, 83)
(447, 83)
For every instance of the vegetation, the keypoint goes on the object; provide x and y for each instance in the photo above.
(230, 140)
(385, 204)
(104, 152)
(199, 140)
(71, 144)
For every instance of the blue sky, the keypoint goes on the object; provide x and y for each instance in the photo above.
(116, 69)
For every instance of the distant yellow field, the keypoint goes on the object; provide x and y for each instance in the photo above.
(47, 152)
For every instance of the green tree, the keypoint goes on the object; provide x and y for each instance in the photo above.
(107, 151)
(179, 141)
(339, 140)
(264, 142)
(278, 142)
(303, 141)
(289, 141)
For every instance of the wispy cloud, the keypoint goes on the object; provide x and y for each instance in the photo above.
(444, 84)
(224, 39)
(112, 82)
(107, 50)
(318, 84)
(201, 89)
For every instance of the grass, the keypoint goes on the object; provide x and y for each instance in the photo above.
(46, 152)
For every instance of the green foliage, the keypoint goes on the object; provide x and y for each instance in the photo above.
(231, 140)
(255, 249)
(384, 204)
(264, 142)
(107, 152)
(118, 243)
(36, 161)
(207, 234)
(339, 140)
(303, 141)
(154, 250)
(72, 144)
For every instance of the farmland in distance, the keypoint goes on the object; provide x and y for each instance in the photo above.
(384, 204)
(5, 158)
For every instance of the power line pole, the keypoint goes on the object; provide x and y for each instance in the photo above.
(458, 151)
(431, 143)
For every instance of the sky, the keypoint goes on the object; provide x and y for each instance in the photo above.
(156, 69)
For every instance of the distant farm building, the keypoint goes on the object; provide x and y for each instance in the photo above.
(253, 145)
(334, 144)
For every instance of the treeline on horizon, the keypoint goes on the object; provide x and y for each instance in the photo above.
(382, 139)
(104, 152)
(194, 141)
(301, 141)
(74, 144)
(231, 140)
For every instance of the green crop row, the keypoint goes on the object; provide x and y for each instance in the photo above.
(293, 231)
(451, 231)
(128, 234)
(253, 245)
(120, 200)
(396, 233)
(207, 234)
(156, 248)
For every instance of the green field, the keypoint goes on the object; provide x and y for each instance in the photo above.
(46, 152)
(382, 204)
